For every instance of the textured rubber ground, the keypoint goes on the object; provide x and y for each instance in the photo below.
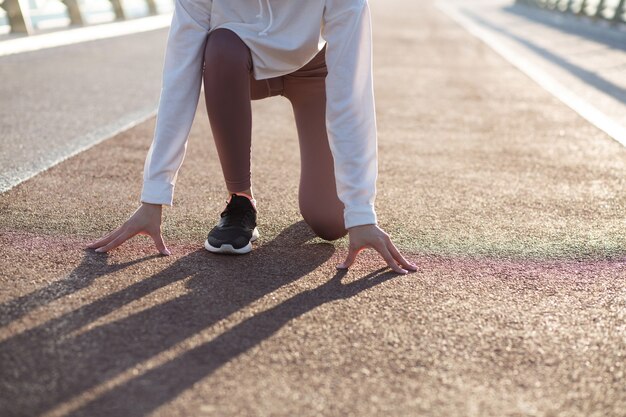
(512, 206)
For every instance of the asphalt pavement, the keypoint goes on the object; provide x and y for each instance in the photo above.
(58, 101)
(581, 61)
(511, 204)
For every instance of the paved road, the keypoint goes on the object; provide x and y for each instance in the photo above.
(57, 101)
(511, 204)
(581, 62)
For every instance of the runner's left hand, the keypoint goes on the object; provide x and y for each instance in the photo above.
(371, 236)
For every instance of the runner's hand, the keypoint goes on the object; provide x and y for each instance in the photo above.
(371, 236)
(145, 221)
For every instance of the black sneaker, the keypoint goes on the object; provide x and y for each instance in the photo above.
(236, 229)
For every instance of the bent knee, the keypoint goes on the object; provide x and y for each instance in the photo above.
(225, 50)
(325, 228)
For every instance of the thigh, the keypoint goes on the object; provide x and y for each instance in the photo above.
(226, 52)
(260, 89)
(319, 203)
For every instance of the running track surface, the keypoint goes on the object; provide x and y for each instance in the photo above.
(511, 204)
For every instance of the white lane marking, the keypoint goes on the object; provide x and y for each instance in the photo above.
(89, 33)
(76, 146)
(587, 110)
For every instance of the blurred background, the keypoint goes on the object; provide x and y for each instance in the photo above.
(100, 62)
(33, 16)
(28, 16)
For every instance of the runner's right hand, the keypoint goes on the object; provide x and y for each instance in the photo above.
(145, 221)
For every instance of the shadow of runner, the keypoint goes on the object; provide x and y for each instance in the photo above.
(49, 364)
(92, 267)
(142, 395)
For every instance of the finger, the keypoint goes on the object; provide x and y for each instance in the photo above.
(116, 242)
(347, 263)
(398, 257)
(382, 249)
(106, 239)
(160, 244)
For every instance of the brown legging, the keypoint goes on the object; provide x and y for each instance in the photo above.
(229, 86)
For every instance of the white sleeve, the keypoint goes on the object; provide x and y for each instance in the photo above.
(350, 110)
(182, 79)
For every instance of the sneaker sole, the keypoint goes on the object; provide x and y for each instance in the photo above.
(229, 250)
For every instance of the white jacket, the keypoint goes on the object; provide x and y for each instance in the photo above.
(283, 35)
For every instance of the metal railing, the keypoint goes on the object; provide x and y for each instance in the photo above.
(610, 10)
(18, 13)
